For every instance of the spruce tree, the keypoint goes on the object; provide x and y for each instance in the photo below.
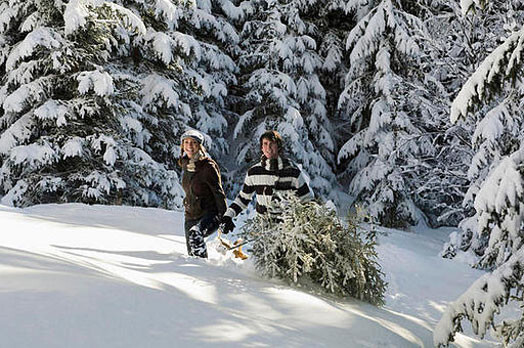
(280, 87)
(438, 180)
(96, 94)
(309, 245)
(495, 122)
(212, 24)
(71, 126)
(499, 202)
(386, 106)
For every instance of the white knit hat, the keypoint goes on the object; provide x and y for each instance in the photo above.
(193, 134)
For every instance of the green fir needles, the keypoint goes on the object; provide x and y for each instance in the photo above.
(308, 243)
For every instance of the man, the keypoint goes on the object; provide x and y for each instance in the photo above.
(270, 179)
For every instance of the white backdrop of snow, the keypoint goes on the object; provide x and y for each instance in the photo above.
(106, 276)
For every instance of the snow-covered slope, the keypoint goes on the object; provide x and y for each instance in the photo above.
(101, 276)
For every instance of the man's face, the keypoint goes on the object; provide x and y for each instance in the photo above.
(269, 148)
(190, 146)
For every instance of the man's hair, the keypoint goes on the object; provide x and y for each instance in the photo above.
(272, 135)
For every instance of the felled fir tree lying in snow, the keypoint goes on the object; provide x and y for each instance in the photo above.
(309, 243)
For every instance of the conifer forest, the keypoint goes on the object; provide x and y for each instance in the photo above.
(412, 110)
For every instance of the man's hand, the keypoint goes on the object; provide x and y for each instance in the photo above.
(227, 224)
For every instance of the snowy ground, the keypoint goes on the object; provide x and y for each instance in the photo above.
(97, 276)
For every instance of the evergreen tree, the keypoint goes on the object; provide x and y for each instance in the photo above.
(212, 25)
(310, 244)
(496, 121)
(386, 107)
(499, 202)
(64, 105)
(281, 89)
(96, 93)
(439, 181)
(483, 301)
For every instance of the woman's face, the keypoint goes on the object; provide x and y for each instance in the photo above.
(190, 146)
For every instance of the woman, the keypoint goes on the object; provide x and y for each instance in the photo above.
(205, 201)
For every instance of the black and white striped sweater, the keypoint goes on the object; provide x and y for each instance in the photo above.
(268, 183)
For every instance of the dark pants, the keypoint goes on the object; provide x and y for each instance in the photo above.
(198, 229)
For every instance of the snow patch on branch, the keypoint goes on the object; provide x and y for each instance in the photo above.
(7, 13)
(15, 194)
(16, 133)
(481, 301)
(34, 154)
(30, 23)
(130, 19)
(52, 110)
(492, 125)
(170, 12)
(491, 66)
(155, 87)
(187, 43)
(100, 82)
(75, 16)
(162, 46)
(232, 11)
(503, 186)
(110, 156)
(465, 5)
(77, 12)
(239, 127)
(73, 147)
(351, 147)
(42, 36)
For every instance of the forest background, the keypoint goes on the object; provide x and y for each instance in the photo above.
(409, 109)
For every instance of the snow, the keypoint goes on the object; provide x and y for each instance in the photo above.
(482, 300)
(51, 110)
(33, 154)
(42, 36)
(491, 127)
(14, 194)
(503, 186)
(171, 13)
(75, 16)
(130, 19)
(187, 44)
(19, 131)
(162, 46)
(232, 11)
(155, 86)
(30, 23)
(485, 73)
(75, 275)
(100, 82)
(110, 155)
(77, 12)
(465, 5)
(73, 147)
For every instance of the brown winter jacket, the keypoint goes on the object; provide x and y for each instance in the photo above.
(203, 188)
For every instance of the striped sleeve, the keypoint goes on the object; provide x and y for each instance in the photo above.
(243, 198)
(303, 191)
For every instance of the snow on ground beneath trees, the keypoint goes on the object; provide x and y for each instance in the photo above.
(102, 276)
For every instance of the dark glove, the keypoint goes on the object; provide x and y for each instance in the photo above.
(209, 224)
(227, 224)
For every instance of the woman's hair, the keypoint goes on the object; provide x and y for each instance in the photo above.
(272, 135)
